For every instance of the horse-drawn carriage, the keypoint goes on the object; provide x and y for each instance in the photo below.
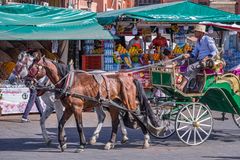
(188, 113)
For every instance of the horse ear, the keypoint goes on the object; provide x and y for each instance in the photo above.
(44, 58)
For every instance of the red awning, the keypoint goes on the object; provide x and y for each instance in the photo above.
(232, 27)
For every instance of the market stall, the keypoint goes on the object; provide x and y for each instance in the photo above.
(27, 26)
(175, 21)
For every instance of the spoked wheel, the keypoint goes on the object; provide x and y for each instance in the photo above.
(194, 124)
(167, 116)
(236, 119)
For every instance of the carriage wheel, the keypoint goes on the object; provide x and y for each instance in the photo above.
(194, 123)
(167, 118)
(236, 119)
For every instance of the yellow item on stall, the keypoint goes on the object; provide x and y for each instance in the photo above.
(156, 56)
(128, 61)
(6, 69)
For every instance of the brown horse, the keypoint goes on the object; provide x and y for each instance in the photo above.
(79, 90)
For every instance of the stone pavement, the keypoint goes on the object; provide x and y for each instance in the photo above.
(24, 141)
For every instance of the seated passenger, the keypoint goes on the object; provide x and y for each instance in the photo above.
(205, 48)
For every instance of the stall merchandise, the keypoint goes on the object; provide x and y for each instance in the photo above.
(98, 54)
(13, 99)
(177, 28)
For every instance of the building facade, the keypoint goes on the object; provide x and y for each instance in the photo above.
(92, 5)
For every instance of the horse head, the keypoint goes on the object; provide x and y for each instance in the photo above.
(20, 71)
(45, 67)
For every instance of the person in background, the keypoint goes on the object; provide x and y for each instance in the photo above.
(136, 41)
(205, 49)
(159, 41)
(33, 97)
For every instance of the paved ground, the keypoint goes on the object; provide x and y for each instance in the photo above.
(24, 141)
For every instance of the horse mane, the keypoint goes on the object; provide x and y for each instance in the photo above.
(62, 68)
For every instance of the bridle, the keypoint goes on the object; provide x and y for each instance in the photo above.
(35, 68)
(24, 61)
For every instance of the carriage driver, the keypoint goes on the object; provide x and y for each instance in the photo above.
(205, 48)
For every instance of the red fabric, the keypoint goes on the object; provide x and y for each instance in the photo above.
(138, 45)
(162, 42)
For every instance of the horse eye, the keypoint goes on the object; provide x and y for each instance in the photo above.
(19, 57)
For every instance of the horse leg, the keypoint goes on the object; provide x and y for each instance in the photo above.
(59, 112)
(146, 136)
(78, 118)
(124, 131)
(101, 115)
(49, 109)
(66, 115)
(115, 122)
(44, 117)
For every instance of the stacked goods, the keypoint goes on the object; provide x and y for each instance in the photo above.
(178, 50)
(146, 58)
(133, 50)
(98, 51)
(4, 57)
(121, 49)
(187, 48)
(6, 69)
(156, 57)
(181, 50)
(124, 55)
(116, 58)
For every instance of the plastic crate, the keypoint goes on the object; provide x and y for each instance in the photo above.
(92, 62)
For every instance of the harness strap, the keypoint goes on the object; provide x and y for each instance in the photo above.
(107, 86)
(99, 78)
(69, 82)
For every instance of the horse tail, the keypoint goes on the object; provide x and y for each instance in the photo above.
(144, 104)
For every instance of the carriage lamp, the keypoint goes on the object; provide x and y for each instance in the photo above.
(89, 4)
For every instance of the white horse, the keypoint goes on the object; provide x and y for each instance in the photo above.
(52, 104)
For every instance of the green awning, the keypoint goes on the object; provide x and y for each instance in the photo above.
(176, 12)
(34, 22)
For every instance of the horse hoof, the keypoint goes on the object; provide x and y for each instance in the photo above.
(80, 149)
(49, 142)
(93, 140)
(109, 146)
(65, 138)
(146, 146)
(63, 147)
(124, 140)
